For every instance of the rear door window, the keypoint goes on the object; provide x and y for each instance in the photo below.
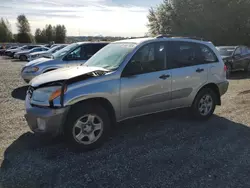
(91, 49)
(182, 54)
(77, 54)
(97, 47)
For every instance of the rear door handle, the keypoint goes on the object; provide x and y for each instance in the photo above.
(199, 70)
(164, 76)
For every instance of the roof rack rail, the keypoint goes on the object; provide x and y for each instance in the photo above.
(195, 38)
(173, 36)
(164, 36)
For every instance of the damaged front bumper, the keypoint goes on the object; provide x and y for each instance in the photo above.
(45, 119)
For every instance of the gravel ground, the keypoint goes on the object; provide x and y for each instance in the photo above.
(162, 150)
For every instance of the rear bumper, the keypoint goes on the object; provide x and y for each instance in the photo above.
(45, 120)
(223, 87)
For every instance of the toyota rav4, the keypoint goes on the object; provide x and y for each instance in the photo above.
(126, 79)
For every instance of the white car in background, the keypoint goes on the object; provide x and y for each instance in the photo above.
(46, 54)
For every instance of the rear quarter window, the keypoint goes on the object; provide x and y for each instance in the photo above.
(207, 54)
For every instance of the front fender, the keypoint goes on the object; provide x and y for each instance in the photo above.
(91, 89)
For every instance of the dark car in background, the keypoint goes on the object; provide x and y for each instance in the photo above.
(235, 57)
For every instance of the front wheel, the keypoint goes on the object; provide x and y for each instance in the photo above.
(204, 104)
(88, 126)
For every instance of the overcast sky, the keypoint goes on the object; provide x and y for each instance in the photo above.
(84, 17)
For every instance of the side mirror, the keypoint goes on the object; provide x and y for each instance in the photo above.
(133, 68)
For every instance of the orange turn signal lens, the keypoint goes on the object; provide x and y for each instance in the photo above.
(57, 93)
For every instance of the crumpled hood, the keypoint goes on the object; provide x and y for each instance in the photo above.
(37, 61)
(63, 74)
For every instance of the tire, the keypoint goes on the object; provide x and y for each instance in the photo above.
(23, 58)
(87, 116)
(201, 101)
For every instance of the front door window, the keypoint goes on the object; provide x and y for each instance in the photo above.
(150, 58)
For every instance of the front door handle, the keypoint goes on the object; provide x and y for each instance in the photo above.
(164, 76)
(199, 70)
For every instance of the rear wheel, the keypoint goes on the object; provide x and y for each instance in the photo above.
(87, 126)
(204, 104)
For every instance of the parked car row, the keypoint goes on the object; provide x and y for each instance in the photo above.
(12, 52)
(98, 84)
(71, 55)
(23, 52)
(23, 55)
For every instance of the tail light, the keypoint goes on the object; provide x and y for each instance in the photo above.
(225, 68)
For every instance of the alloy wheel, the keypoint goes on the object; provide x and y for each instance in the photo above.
(88, 129)
(205, 105)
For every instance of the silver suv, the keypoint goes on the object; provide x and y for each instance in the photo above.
(126, 79)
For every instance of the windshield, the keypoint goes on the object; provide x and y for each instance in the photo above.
(111, 56)
(60, 53)
(226, 51)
